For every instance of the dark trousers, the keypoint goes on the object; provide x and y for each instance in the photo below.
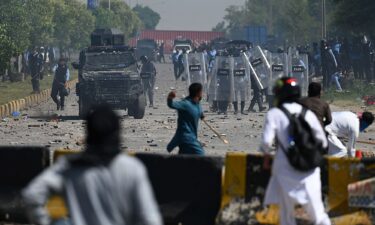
(148, 86)
(257, 98)
(181, 69)
(162, 58)
(57, 90)
(35, 82)
(176, 69)
(223, 106)
(326, 77)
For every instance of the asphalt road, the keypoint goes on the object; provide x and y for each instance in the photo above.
(39, 125)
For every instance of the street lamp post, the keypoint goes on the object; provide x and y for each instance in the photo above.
(324, 22)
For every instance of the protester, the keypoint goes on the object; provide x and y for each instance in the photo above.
(148, 74)
(189, 112)
(346, 125)
(289, 186)
(100, 185)
(318, 106)
(62, 76)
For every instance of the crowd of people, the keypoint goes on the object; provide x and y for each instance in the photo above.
(100, 188)
(342, 59)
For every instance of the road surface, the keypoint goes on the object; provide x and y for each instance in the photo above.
(151, 134)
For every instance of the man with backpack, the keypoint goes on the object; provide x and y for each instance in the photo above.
(301, 142)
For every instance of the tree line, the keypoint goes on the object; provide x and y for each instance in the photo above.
(299, 21)
(65, 24)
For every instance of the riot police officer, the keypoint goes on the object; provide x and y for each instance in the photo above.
(148, 74)
(257, 97)
(35, 64)
(62, 75)
(241, 81)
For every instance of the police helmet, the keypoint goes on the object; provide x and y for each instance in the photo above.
(144, 58)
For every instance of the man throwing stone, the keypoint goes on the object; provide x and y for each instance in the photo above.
(189, 112)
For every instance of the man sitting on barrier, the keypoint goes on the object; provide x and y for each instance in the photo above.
(346, 125)
(100, 185)
(189, 112)
(289, 184)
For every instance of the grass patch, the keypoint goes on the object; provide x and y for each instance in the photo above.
(352, 96)
(10, 91)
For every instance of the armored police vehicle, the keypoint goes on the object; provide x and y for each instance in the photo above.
(147, 47)
(108, 73)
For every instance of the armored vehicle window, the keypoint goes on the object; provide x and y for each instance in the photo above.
(110, 60)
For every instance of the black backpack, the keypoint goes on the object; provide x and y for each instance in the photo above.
(305, 151)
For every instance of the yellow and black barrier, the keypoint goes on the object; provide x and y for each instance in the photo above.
(187, 188)
(245, 178)
(19, 165)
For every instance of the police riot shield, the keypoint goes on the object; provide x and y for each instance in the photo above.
(279, 68)
(261, 66)
(195, 69)
(223, 79)
(298, 68)
(241, 75)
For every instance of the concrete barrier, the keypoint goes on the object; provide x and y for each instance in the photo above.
(245, 178)
(2, 111)
(18, 166)
(191, 190)
(187, 188)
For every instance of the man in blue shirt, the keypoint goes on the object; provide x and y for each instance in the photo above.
(189, 112)
(175, 63)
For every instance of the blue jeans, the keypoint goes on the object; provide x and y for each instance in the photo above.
(335, 78)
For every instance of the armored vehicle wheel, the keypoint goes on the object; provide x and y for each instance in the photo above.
(139, 107)
(83, 108)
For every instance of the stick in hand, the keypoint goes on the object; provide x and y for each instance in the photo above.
(217, 133)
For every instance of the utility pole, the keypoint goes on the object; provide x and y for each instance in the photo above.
(324, 22)
(109, 4)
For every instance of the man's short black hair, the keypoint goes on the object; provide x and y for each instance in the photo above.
(314, 89)
(195, 89)
(368, 117)
(103, 127)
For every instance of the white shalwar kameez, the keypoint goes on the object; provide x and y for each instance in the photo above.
(344, 125)
(289, 187)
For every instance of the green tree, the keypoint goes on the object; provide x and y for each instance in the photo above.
(16, 25)
(40, 14)
(220, 27)
(105, 18)
(7, 46)
(124, 18)
(14, 31)
(149, 17)
(73, 25)
(84, 24)
(355, 17)
(297, 21)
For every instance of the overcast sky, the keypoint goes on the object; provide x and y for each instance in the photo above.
(188, 14)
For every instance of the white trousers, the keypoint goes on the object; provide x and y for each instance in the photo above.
(336, 148)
